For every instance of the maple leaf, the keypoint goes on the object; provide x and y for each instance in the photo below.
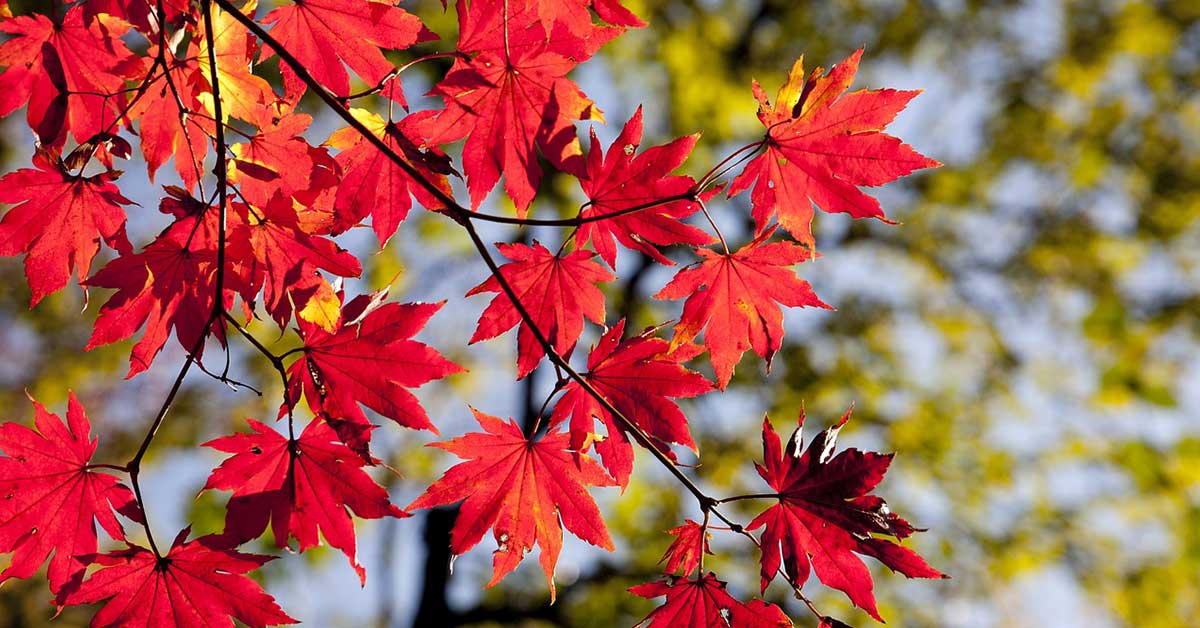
(141, 14)
(690, 544)
(704, 603)
(284, 263)
(169, 285)
(166, 127)
(279, 160)
(59, 221)
(300, 486)
(371, 360)
(242, 93)
(735, 298)
(372, 183)
(826, 515)
(511, 99)
(52, 498)
(63, 72)
(566, 25)
(557, 291)
(525, 490)
(620, 180)
(197, 584)
(316, 32)
(821, 146)
(639, 377)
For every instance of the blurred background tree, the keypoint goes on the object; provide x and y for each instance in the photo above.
(1026, 339)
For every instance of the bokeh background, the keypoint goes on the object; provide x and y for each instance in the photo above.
(1026, 339)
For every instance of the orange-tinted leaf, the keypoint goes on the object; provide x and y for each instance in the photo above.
(512, 98)
(525, 490)
(735, 298)
(557, 291)
(372, 184)
(284, 261)
(822, 145)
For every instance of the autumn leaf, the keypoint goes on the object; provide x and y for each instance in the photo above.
(52, 497)
(373, 184)
(639, 377)
(69, 75)
(686, 551)
(525, 490)
(197, 584)
(165, 128)
(826, 515)
(300, 486)
(735, 298)
(279, 160)
(284, 261)
(370, 360)
(242, 92)
(558, 292)
(170, 285)
(823, 145)
(139, 13)
(619, 180)
(511, 100)
(704, 603)
(59, 221)
(322, 34)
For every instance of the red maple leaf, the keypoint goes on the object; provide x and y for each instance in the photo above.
(70, 75)
(735, 298)
(685, 552)
(822, 146)
(284, 260)
(620, 180)
(573, 14)
(499, 25)
(279, 160)
(525, 490)
(165, 128)
(198, 584)
(373, 184)
(557, 291)
(169, 285)
(639, 377)
(512, 99)
(826, 515)
(322, 34)
(704, 603)
(59, 221)
(371, 360)
(52, 498)
(140, 13)
(300, 486)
